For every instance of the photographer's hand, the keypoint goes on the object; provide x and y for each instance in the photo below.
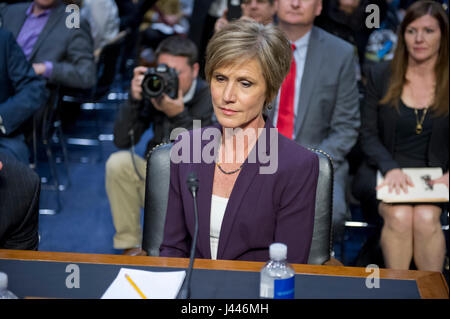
(136, 82)
(170, 107)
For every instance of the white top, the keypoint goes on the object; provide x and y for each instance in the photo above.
(218, 207)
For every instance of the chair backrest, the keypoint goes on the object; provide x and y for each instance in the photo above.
(321, 245)
(156, 197)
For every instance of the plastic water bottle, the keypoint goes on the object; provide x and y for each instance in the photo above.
(4, 292)
(277, 276)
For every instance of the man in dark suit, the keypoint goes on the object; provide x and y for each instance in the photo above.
(19, 205)
(322, 110)
(21, 94)
(59, 51)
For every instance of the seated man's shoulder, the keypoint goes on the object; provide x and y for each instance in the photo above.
(16, 6)
(335, 43)
(10, 12)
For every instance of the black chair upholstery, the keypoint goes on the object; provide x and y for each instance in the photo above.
(156, 197)
(19, 205)
(322, 242)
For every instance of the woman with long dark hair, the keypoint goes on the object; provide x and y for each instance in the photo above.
(405, 124)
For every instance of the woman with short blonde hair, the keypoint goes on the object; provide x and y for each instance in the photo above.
(245, 40)
(241, 209)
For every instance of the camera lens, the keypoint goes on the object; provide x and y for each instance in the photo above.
(153, 85)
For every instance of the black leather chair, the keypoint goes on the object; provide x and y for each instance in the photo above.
(322, 242)
(19, 205)
(156, 196)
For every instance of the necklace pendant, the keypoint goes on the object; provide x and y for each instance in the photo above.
(419, 129)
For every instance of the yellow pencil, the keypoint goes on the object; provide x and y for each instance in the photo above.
(135, 287)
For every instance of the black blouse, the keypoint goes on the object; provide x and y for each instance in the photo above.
(410, 148)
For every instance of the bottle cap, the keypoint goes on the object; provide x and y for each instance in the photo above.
(3, 280)
(278, 251)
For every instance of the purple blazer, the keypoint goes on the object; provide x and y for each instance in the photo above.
(262, 208)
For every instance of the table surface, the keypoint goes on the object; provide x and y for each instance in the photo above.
(430, 284)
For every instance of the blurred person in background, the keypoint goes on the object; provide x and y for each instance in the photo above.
(318, 104)
(262, 11)
(62, 55)
(103, 17)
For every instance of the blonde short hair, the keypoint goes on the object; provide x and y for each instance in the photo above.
(243, 40)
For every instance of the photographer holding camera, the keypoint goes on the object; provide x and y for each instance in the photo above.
(167, 96)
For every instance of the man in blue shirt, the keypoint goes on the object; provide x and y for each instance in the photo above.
(62, 53)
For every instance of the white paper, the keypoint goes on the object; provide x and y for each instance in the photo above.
(154, 285)
(421, 192)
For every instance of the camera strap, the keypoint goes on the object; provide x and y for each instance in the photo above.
(133, 154)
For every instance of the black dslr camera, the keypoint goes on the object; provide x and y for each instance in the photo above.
(159, 80)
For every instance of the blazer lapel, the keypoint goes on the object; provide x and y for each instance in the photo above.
(241, 186)
(206, 179)
(55, 16)
(312, 66)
